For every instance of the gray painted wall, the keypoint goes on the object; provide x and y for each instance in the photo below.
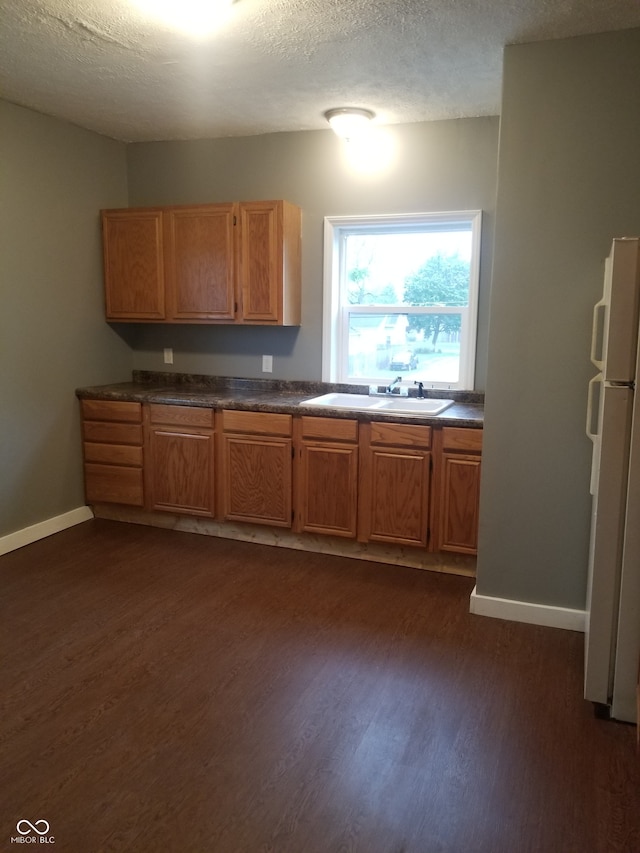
(569, 174)
(53, 338)
(569, 182)
(449, 165)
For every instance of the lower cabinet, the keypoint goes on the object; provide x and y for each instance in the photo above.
(326, 483)
(256, 465)
(112, 449)
(394, 483)
(458, 490)
(180, 459)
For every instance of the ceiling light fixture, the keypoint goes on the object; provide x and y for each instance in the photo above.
(198, 18)
(349, 122)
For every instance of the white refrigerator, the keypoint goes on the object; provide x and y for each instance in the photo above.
(612, 628)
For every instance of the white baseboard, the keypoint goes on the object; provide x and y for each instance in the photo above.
(525, 611)
(44, 528)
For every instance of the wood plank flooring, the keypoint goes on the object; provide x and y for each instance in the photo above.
(165, 691)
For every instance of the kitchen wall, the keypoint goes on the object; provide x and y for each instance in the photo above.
(53, 338)
(569, 182)
(449, 165)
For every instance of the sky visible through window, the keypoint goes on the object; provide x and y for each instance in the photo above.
(389, 259)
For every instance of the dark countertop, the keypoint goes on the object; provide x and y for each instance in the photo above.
(268, 395)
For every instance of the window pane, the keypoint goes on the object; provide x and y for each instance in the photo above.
(401, 295)
(422, 346)
(414, 268)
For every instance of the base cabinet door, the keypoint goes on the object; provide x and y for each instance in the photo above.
(327, 477)
(395, 484)
(180, 459)
(256, 467)
(458, 477)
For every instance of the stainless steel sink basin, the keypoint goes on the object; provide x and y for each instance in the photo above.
(389, 405)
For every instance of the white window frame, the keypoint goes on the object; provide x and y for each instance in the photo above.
(335, 328)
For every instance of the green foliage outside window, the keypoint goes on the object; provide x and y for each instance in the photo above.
(441, 280)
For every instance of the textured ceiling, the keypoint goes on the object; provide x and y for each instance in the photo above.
(274, 65)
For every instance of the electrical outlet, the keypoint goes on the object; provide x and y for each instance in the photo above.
(267, 364)
(168, 355)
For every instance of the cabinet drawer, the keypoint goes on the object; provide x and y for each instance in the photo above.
(454, 438)
(263, 423)
(113, 484)
(113, 454)
(181, 415)
(112, 433)
(400, 435)
(111, 410)
(334, 429)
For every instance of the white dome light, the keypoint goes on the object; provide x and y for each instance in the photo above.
(349, 122)
(197, 17)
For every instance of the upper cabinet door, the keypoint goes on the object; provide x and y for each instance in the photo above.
(133, 264)
(200, 262)
(268, 243)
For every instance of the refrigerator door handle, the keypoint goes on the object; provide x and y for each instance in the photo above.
(597, 334)
(591, 432)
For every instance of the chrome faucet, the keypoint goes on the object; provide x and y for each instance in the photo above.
(392, 385)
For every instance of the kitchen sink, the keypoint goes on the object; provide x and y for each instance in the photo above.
(345, 401)
(413, 406)
(390, 405)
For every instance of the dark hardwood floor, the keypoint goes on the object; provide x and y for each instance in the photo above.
(164, 692)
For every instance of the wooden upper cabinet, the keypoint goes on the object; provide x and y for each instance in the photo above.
(200, 262)
(269, 263)
(133, 264)
(212, 263)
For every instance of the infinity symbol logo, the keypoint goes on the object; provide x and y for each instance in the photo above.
(32, 827)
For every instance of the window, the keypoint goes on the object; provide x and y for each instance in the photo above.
(401, 296)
